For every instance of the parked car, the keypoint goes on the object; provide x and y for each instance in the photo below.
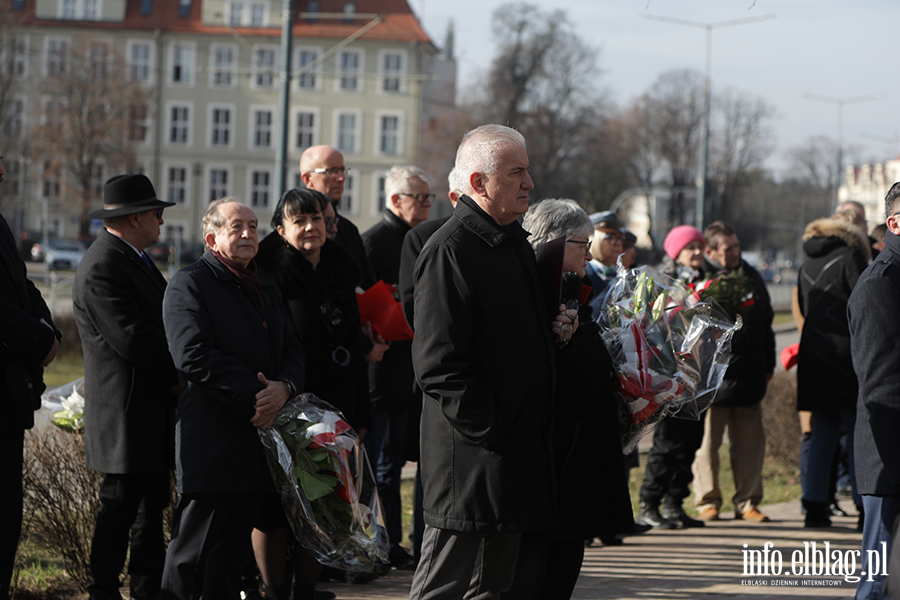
(62, 255)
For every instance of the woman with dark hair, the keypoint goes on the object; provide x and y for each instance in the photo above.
(592, 497)
(317, 282)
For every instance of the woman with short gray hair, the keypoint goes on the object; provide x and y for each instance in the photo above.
(592, 497)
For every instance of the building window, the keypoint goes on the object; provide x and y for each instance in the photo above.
(86, 10)
(220, 126)
(219, 183)
(51, 180)
(223, 63)
(258, 14)
(90, 10)
(138, 122)
(184, 8)
(347, 134)
(14, 56)
(172, 234)
(248, 14)
(14, 123)
(350, 66)
(179, 124)
(99, 60)
(309, 79)
(345, 204)
(13, 177)
(260, 188)
(176, 180)
(306, 130)
(141, 64)
(54, 113)
(262, 127)
(264, 66)
(182, 64)
(389, 136)
(68, 9)
(57, 50)
(382, 197)
(146, 8)
(392, 68)
(235, 13)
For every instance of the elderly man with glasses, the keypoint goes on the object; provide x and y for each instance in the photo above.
(408, 200)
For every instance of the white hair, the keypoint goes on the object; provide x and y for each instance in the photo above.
(452, 181)
(479, 152)
(395, 183)
(553, 218)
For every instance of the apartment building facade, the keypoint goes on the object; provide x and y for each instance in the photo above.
(212, 70)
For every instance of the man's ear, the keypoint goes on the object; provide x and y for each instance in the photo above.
(304, 177)
(210, 240)
(395, 200)
(893, 224)
(708, 252)
(478, 181)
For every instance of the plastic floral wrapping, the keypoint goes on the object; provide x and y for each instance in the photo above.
(669, 346)
(65, 405)
(321, 470)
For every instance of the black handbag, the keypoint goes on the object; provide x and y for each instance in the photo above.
(24, 387)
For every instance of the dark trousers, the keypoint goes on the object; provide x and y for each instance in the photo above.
(130, 506)
(668, 474)
(384, 446)
(210, 544)
(11, 444)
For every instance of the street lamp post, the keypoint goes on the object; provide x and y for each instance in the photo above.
(840, 132)
(704, 128)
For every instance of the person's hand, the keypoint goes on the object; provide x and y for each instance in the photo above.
(54, 349)
(565, 324)
(268, 401)
(379, 347)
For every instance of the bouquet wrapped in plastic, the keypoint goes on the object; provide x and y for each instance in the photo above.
(66, 406)
(321, 470)
(670, 348)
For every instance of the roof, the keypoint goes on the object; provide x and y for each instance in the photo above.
(399, 25)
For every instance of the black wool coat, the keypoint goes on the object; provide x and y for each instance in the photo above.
(484, 359)
(391, 380)
(592, 496)
(321, 305)
(128, 372)
(22, 335)
(836, 255)
(220, 339)
(874, 333)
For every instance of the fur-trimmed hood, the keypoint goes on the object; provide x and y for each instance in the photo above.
(822, 235)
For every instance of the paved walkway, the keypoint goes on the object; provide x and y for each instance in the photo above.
(691, 563)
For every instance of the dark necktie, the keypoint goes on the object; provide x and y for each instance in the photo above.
(147, 260)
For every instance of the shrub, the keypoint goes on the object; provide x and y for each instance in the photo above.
(780, 420)
(60, 497)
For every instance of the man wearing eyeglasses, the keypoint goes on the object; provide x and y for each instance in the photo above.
(322, 169)
(130, 385)
(408, 200)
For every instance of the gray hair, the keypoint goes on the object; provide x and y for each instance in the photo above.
(553, 218)
(395, 183)
(212, 219)
(479, 151)
(452, 182)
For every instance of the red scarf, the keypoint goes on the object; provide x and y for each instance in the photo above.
(248, 276)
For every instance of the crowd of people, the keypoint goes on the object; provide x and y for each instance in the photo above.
(506, 395)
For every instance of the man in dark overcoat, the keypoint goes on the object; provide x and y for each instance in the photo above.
(238, 362)
(28, 342)
(874, 331)
(483, 356)
(130, 387)
(408, 199)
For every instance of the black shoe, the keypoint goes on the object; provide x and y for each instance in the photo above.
(676, 513)
(611, 540)
(324, 595)
(401, 559)
(818, 514)
(650, 516)
(641, 528)
(837, 511)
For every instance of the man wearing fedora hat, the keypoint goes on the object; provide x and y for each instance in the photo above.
(131, 387)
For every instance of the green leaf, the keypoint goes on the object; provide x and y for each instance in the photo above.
(316, 486)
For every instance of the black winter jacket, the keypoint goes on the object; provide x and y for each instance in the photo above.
(484, 359)
(836, 255)
(874, 331)
(321, 305)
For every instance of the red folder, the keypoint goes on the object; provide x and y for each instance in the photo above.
(378, 306)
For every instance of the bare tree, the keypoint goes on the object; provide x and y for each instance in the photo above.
(89, 104)
(814, 162)
(740, 142)
(542, 82)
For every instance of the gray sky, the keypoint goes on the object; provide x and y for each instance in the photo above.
(830, 48)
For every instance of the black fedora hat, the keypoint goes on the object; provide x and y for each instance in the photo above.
(126, 195)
